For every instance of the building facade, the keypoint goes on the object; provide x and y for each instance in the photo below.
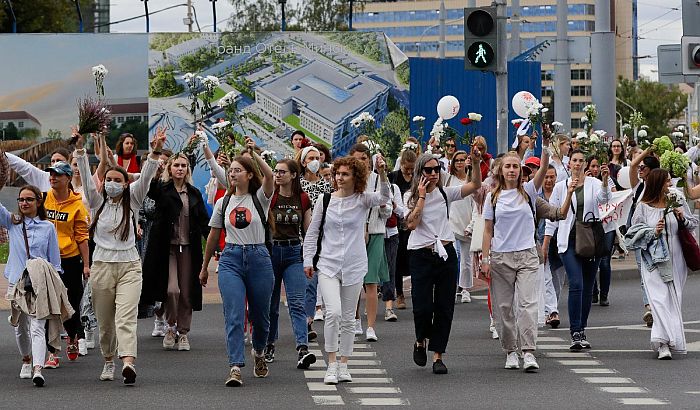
(414, 26)
(123, 110)
(22, 120)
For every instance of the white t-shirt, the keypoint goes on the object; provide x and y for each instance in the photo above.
(243, 224)
(514, 229)
(460, 210)
(434, 226)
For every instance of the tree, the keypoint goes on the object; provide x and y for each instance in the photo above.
(11, 132)
(56, 16)
(138, 129)
(255, 15)
(658, 103)
(54, 134)
(310, 15)
(164, 85)
(29, 134)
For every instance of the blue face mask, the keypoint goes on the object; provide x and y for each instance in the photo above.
(113, 189)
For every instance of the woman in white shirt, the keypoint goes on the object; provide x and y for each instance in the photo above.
(510, 257)
(460, 218)
(245, 267)
(116, 264)
(589, 193)
(337, 251)
(432, 256)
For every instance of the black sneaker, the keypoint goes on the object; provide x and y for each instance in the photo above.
(269, 353)
(576, 345)
(420, 355)
(595, 298)
(306, 359)
(604, 301)
(312, 334)
(584, 342)
(439, 367)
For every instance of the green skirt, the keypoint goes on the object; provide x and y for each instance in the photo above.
(377, 266)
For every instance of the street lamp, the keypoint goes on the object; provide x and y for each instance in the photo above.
(633, 110)
(213, 9)
(148, 21)
(420, 39)
(283, 4)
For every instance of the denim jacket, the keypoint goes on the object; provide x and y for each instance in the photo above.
(654, 250)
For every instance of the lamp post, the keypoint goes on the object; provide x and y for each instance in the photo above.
(80, 16)
(148, 21)
(14, 24)
(213, 10)
(283, 5)
(350, 15)
(633, 110)
(420, 39)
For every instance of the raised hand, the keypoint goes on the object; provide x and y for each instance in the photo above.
(422, 185)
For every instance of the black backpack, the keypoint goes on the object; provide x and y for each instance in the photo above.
(261, 213)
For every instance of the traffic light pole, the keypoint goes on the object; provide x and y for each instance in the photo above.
(502, 78)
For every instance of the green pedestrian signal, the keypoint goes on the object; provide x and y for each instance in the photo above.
(480, 38)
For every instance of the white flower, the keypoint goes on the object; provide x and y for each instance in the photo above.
(516, 121)
(642, 134)
(418, 118)
(474, 116)
(545, 109)
(584, 119)
(600, 133)
(227, 99)
(677, 134)
(626, 127)
(410, 146)
(267, 155)
(681, 128)
(188, 77)
(373, 146)
(363, 117)
(99, 70)
(557, 124)
(222, 124)
(645, 127)
(581, 135)
(594, 139)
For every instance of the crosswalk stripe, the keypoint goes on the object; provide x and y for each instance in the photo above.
(549, 339)
(360, 362)
(594, 371)
(374, 390)
(608, 380)
(371, 380)
(579, 362)
(623, 389)
(363, 354)
(567, 354)
(320, 374)
(382, 401)
(320, 386)
(639, 401)
(328, 400)
(553, 347)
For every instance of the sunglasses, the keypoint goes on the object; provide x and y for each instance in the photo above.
(432, 170)
(642, 167)
(450, 145)
(457, 161)
(281, 172)
(27, 200)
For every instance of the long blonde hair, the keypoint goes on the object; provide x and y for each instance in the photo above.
(502, 179)
(167, 176)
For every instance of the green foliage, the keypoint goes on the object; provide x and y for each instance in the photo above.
(218, 93)
(657, 102)
(240, 39)
(163, 41)
(4, 252)
(260, 121)
(46, 16)
(54, 134)
(11, 132)
(365, 44)
(309, 15)
(394, 131)
(29, 134)
(164, 84)
(199, 60)
(138, 129)
(403, 74)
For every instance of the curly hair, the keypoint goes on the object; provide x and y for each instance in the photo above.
(359, 172)
(120, 143)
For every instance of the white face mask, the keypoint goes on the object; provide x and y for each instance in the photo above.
(314, 166)
(113, 189)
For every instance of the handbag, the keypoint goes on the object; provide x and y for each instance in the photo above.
(590, 241)
(689, 246)
(26, 279)
(477, 233)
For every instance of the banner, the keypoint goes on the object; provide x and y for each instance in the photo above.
(616, 211)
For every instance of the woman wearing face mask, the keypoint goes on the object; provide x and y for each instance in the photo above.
(245, 267)
(116, 267)
(314, 186)
(291, 213)
(177, 231)
(41, 237)
(432, 256)
(126, 154)
(589, 193)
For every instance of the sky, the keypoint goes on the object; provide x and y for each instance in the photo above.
(47, 77)
(658, 23)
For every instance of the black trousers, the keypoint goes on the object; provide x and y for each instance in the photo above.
(401, 262)
(73, 280)
(433, 287)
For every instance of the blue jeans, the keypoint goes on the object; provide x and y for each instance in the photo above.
(310, 300)
(580, 272)
(288, 266)
(245, 271)
(605, 269)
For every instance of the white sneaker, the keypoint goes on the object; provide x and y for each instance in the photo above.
(494, 334)
(529, 362)
(343, 373)
(169, 340)
(26, 372)
(466, 297)
(107, 371)
(82, 347)
(512, 361)
(358, 327)
(89, 339)
(159, 328)
(665, 352)
(318, 317)
(371, 336)
(183, 343)
(38, 378)
(331, 374)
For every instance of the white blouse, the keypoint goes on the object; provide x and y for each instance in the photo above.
(434, 226)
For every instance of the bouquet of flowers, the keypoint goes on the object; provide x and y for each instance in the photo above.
(594, 145)
(535, 113)
(93, 116)
(269, 157)
(557, 127)
(99, 72)
(210, 83)
(677, 136)
(191, 146)
(222, 130)
(676, 163)
(673, 200)
(193, 82)
(661, 145)
(367, 125)
(590, 116)
(471, 123)
(420, 125)
(643, 137)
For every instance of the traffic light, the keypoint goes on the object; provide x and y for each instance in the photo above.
(480, 38)
(690, 55)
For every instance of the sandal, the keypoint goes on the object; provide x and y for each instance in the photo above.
(554, 320)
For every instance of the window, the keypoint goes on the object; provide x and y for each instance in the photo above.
(581, 74)
(21, 124)
(547, 75)
(120, 119)
(576, 123)
(580, 90)
(547, 91)
(577, 106)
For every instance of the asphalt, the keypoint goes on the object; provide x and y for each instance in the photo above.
(476, 378)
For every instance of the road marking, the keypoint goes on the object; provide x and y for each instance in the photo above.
(360, 346)
(320, 386)
(549, 339)
(363, 354)
(320, 374)
(371, 380)
(594, 371)
(480, 297)
(320, 364)
(635, 326)
(374, 390)
(364, 363)
(580, 362)
(567, 354)
(638, 401)
(328, 400)
(382, 401)
(552, 347)
(621, 390)
(608, 380)
(624, 351)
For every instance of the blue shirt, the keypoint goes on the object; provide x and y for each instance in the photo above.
(43, 243)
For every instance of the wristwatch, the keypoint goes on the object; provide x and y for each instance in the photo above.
(486, 260)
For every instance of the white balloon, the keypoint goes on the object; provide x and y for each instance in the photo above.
(521, 102)
(448, 107)
(623, 177)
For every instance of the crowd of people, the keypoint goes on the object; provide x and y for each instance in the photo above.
(125, 240)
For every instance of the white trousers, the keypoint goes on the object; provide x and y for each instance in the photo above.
(30, 338)
(341, 302)
(466, 276)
